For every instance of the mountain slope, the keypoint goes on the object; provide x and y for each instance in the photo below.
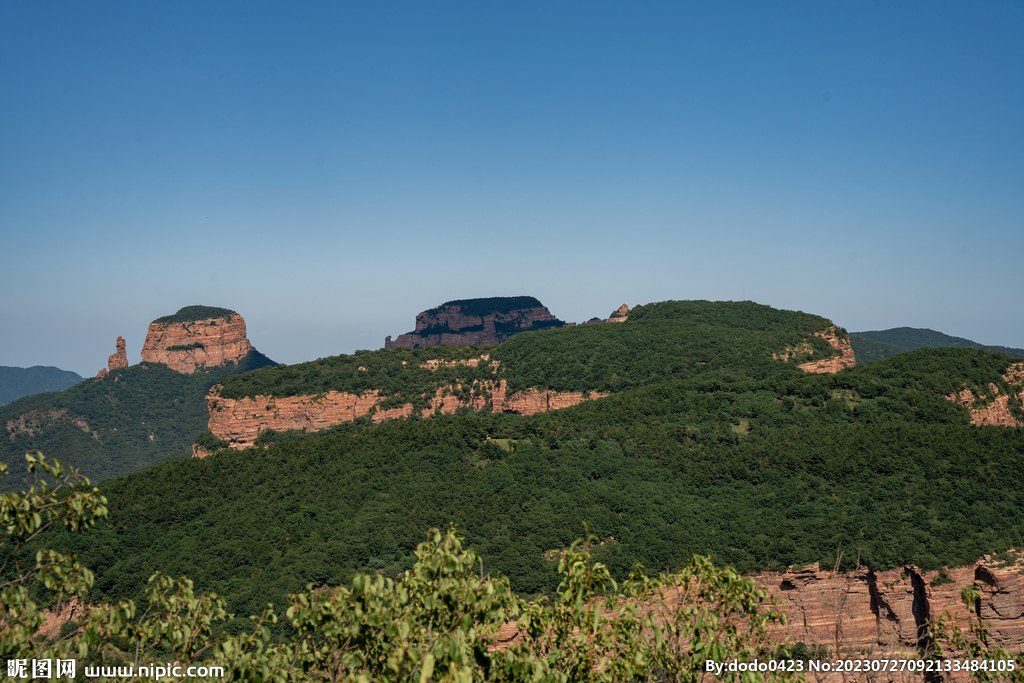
(878, 344)
(129, 420)
(715, 449)
(18, 382)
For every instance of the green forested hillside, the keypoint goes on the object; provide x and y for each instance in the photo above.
(132, 418)
(878, 344)
(18, 382)
(760, 470)
(660, 342)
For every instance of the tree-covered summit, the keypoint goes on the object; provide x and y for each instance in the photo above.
(192, 313)
(669, 340)
(746, 315)
(492, 305)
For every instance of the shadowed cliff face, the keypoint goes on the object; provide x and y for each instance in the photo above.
(476, 321)
(184, 346)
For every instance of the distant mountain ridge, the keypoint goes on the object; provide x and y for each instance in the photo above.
(881, 344)
(18, 382)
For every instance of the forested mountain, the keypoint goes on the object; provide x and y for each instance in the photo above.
(878, 344)
(18, 382)
(708, 444)
(130, 419)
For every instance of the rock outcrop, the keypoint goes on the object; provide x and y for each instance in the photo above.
(115, 361)
(476, 321)
(196, 336)
(865, 611)
(884, 614)
(240, 421)
(620, 315)
(70, 610)
(994, 408)
(833, 364)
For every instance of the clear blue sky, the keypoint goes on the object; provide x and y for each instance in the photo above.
(330, 169)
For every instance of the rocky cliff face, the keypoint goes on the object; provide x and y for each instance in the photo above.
(865, 611)
(994, 407)
(476, 321)
(240, 421)
(118, 360)
(832, 365)
(184, 345)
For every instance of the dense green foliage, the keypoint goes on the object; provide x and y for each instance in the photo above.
(192, 313)
(672, 340)
(867, 350)
(130, 419)
(758, 473)
(437, 621)
(708, 445)
(488, 306)
(745, 315)
(18, 382)
(911, 338)
(186, 347)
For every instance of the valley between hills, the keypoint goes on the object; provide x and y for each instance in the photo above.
(863, 494)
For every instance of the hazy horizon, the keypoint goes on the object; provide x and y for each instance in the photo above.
(329, 172)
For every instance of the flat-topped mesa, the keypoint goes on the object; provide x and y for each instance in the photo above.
(196, 336)
(476, 321)
(115, 361)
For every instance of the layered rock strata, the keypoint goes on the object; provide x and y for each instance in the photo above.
(994, 408)
(866, 611)
(240, 421)
(476, 321)
(185, 346)
(115, 361)
(832, 365)
(883, 614)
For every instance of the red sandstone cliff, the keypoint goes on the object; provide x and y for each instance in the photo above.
(994, 407)
(844, 360)
(475, 321)
(115, 361)
(240, 421)
(620, 315)
(865, 611)
(184, 346)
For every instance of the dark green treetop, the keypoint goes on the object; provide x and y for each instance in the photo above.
(192, 313)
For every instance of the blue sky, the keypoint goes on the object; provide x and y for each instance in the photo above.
(329, 170)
